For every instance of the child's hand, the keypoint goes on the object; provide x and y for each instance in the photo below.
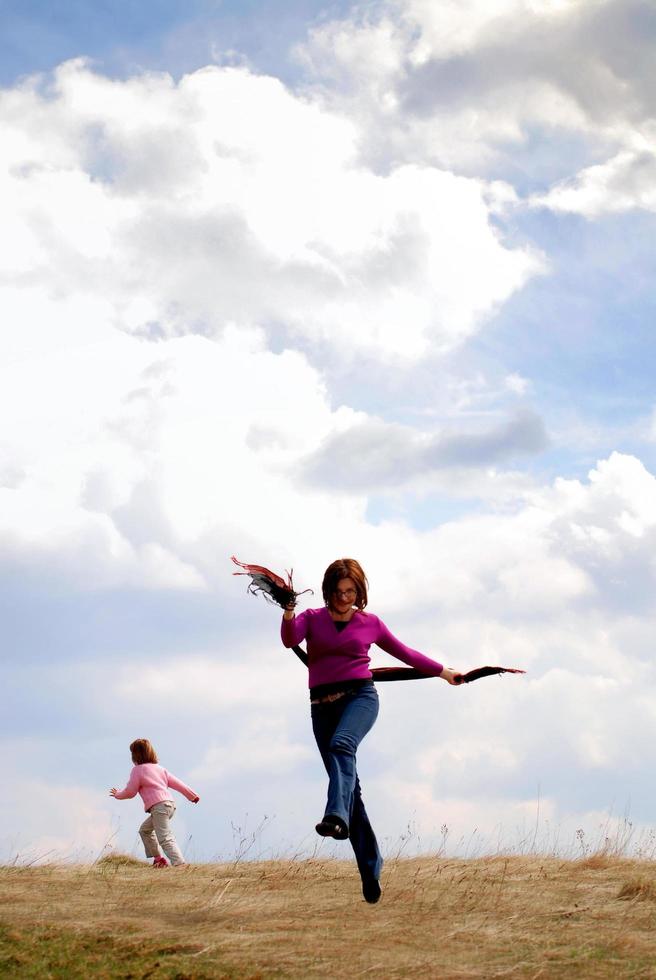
(113, 791)
(196, 799)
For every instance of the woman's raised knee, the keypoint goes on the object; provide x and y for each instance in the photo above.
(343, 743)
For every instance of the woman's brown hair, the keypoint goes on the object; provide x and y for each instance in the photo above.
(345, 568)
(142, 751)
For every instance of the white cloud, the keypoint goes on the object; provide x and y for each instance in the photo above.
(454, 27)
(226, 198)
(625, 182)
(132, 453)
(497, 84)
(373, 455)
(61, 821)
(561, 586)
(204, 682)
(497, 825)
(136, 443)
(167, 246)
(263, 745)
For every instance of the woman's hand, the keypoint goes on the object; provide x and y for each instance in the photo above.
(288, 612)
(451, 676)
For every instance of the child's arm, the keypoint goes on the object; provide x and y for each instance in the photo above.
(130, 790)
(181, 787)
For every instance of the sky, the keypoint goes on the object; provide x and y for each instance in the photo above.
(296, 281)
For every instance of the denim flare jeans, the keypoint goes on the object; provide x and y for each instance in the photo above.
(339, 727)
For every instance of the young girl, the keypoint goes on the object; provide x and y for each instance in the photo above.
(153, 783)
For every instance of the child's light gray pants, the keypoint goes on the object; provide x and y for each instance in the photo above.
(155, 832)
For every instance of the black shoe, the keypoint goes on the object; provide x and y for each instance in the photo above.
(332, 826)
(371, 890)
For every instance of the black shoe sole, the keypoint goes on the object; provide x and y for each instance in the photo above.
(331, 828)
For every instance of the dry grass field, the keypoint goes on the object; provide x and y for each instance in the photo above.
(442, 918)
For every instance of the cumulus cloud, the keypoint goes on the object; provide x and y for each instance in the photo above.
(373, 454)
(158, 236)
(560, 586)
(477, 85)
(623, 183)
(63, 821)
(264, 745)
(226, 198)
(181, 262)
(130, 456)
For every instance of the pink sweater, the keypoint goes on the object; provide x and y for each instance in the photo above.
(344, 656)
(152, 782)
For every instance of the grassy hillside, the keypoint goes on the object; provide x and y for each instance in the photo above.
(486, 917)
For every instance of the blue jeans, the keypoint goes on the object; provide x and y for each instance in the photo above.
(339, 727)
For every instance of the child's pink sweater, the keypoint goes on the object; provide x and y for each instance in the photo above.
(152, 782)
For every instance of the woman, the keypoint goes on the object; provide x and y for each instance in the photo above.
(344, 700)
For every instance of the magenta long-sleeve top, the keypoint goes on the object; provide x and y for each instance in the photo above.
(336, 655)
(153, 784)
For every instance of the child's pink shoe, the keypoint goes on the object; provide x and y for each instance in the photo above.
(160, 862)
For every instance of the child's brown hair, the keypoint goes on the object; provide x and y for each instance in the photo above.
(142, 751)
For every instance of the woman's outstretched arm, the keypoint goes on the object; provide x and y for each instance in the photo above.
(430, 668)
